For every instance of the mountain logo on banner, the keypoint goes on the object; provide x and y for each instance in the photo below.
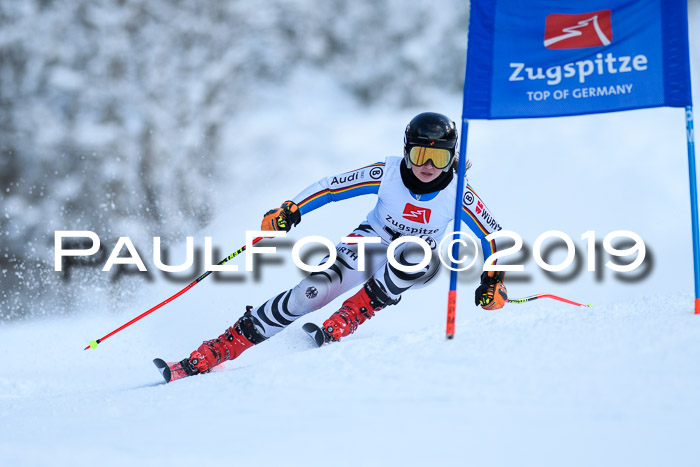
(578, 31)
(416, 214)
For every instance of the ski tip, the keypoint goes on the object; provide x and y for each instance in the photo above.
(315, 332)
(163, 368)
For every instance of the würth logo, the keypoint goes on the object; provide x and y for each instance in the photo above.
(479, 207)
(578, 31)
(416, 214)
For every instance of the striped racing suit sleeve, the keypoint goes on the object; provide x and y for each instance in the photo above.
(362, 181)
(479, 219)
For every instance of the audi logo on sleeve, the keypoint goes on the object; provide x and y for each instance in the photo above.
(416, 214)
(578, 31)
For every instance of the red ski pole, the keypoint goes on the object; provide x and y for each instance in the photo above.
(93, 344)
(545, 295)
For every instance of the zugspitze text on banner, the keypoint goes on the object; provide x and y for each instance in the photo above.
(575, 58)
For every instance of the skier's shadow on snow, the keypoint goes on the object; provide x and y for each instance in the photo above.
(148, 385)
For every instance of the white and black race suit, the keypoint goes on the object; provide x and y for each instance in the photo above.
(398, 212)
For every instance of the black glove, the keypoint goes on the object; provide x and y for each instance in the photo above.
(491, 294)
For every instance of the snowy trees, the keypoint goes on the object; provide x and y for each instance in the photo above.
(112, 111)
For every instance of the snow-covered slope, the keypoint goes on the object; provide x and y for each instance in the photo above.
(538, 384)
(541, 384)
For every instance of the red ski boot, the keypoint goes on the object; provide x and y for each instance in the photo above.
(233, 342)
(356, 310)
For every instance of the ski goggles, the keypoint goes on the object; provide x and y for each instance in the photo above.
(420, 155)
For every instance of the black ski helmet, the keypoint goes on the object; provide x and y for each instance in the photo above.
(430, 129)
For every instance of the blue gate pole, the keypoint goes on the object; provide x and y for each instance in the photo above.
(452, 294)
(693, 203)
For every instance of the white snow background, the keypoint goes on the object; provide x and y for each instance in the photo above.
(536, 384)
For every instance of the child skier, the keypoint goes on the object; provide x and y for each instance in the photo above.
(416, 196)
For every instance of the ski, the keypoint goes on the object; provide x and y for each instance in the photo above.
(318, 335)
(172, 371)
